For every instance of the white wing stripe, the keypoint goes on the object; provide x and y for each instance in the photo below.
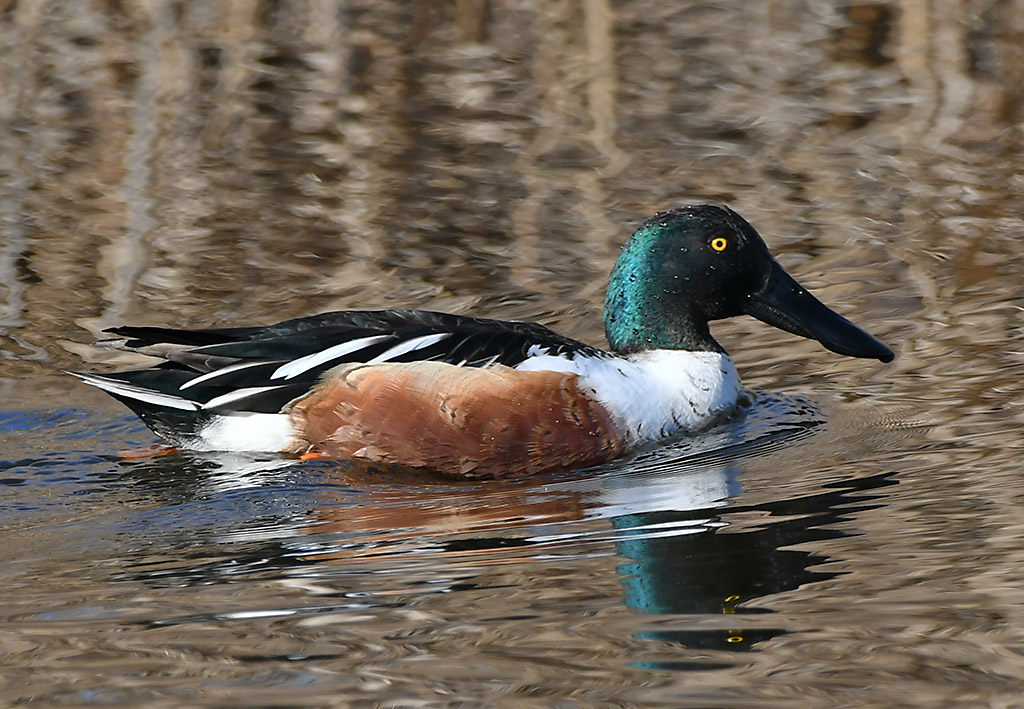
(218, 372)
(488, 362)
(233, 396)
(304, 364)
(416, 343)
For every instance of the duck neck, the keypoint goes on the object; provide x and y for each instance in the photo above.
(633, 323)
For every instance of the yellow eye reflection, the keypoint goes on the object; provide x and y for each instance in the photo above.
(719, 243)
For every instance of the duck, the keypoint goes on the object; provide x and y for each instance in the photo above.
(474, 397)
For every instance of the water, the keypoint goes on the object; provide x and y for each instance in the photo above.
(853, 539)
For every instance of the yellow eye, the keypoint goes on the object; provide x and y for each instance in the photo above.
(719, 243)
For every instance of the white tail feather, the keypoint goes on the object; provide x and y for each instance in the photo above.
(131, 391)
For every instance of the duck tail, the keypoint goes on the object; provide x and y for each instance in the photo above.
(152, 395)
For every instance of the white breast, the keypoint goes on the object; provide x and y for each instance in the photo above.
(655, 393)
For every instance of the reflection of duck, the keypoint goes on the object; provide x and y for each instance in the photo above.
(686, 480)
(493, 516)
(475, 397)
(671, 530)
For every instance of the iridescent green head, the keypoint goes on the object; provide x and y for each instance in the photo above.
(685, 267)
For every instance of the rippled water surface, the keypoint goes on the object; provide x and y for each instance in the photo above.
(854, 538)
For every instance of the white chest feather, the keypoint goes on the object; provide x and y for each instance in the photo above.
(657, 393)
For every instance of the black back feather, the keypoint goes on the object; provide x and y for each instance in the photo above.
(252, 355)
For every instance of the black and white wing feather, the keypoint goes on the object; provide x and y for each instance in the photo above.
(260, 369)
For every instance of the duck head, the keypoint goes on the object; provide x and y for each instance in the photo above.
(683, 268)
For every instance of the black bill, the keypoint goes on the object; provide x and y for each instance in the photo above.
(788, 306)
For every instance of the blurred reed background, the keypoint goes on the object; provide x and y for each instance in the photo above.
(205, 163)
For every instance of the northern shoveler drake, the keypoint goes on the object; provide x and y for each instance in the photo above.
(475, 397)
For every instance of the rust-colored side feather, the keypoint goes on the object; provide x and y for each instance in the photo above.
(493, 422)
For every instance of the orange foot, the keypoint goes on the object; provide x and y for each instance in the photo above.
(314, 455)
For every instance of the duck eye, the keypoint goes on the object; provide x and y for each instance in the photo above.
(719, 243)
